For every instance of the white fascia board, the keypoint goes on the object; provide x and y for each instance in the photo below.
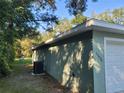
(107, 27)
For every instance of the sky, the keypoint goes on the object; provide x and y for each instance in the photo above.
(97, 7)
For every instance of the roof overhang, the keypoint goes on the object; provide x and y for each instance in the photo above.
(90, 25)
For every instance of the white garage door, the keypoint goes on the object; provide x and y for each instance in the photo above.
(114, 65)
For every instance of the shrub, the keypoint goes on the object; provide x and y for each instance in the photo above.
(6, 56)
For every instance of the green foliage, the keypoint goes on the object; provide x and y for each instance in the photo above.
(43, 37)
(18, 49)
(76, 6)
(79, 18)
(13, 24)
(4, 59)
(26, 45)
(37, 40)
(23, 47)
(4, 67)
(17, 21)
(115, 16)
(63, 25)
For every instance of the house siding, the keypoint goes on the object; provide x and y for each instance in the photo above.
(68, 62)
(99, 65)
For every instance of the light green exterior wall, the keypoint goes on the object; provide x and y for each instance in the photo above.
(73, 56)
(39, 55)
(68, 62)
(99, 62)
(65, 60)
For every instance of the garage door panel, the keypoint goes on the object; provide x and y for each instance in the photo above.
(117, 73)
(117, 47)
(115, 59)
(114, 67)
(115, 51)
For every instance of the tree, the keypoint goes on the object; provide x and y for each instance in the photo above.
(4, 68)
(114, 16)
(76, 6)
(20, 18)
(26, 45)
(12, 22)
(18, 49)
(63, 25)
(78, 19)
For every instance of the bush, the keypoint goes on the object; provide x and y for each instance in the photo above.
(23, 47)
(4, 67)
(6, 56)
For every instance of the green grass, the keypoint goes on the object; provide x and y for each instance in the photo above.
(25, 61)
(21, 80)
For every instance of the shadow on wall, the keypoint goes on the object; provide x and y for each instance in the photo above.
(68, 63)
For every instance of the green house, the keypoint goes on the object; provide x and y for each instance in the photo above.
(87, 59)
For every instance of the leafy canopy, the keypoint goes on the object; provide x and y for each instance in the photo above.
(114, 16)
(21, 18)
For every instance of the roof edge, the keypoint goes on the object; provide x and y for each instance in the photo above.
(91, 24)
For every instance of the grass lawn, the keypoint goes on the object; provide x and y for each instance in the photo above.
(21, 80)
(25, 61)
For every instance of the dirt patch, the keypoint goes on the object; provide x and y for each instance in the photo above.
(22, 81)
